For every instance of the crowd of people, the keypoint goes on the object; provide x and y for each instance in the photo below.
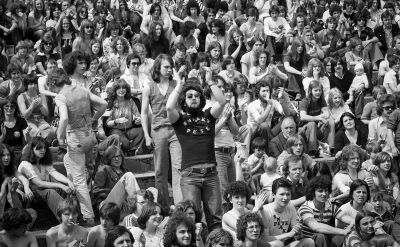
(236, 100)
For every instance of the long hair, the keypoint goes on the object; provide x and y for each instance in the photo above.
(60, 29)
(110, 153)
(257, 61)
(84, 24)
(91, 43)
(213, 45)
(182, 96)
(356, 184)
(346, 114)
(382, 157)
(295, 56)
(10, 169)
(29, 155)
(216, 235)
(332, 93)
(36, 13)
(315, 62)
(155, 73)
(183, 206)
(125, 44)
(152, 31)
(314, 84)
(148, 210)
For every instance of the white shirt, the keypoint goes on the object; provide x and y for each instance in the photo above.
(255, 110)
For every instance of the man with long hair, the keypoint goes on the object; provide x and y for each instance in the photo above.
(162, 138)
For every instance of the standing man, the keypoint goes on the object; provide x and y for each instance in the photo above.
(196, 132)
(75, 105)
(162, 138)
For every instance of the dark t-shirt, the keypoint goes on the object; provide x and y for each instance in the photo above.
(342, 84)
(42, 58)
(313, 108)
(196, 136)
(15, 136)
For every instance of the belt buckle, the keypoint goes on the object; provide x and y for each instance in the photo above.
(203, 170)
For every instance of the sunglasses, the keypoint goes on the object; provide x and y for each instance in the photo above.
(117, 157)
(48, 43)
(388, 108)
(135, 63)
(89, 27)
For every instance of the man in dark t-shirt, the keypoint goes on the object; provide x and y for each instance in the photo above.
(195, 130)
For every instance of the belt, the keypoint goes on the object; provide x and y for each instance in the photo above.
(226, 150)
(204, 170)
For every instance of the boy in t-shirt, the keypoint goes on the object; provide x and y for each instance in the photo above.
(256, 160)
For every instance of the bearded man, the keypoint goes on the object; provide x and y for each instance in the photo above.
(195, 130)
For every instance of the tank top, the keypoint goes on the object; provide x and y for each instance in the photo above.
(78, 105)
(158, 102)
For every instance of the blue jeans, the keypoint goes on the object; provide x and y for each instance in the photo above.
(166, 145)
(205, 188)
(226, 169)
(79, 155)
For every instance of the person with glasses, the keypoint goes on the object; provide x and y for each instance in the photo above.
(135, 79)
(86, 34)
(377, 127)
(250, 228)
(82, 15)
(47, 52)
(146, 62)
(112, 182)
(36, 165)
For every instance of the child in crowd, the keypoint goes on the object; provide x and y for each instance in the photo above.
(372, 148)
(357, 88)
(110, 214)
(266, 180)
(380, 207)
(257, 159)
(68, 231)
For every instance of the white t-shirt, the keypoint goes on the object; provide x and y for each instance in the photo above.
(278, 223)
(390, 78)
(255, 110)
(266, 180)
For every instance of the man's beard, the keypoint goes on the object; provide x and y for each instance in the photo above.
(263, 100)
(193, 111)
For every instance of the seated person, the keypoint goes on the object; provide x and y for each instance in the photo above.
(369, 111)
(364, 234)
(112, 183)
(142, 196)
(293, 170)
(109, 218)
(10, 89)
(316, 122)
(15, 222)
(34, 109)
(256, 159)
(250, 222)
(278, 143)
(295, 146)
(269, 176)
(317, 213)
(68, 232)
(37, 167)
(280, 217)
(125, 118)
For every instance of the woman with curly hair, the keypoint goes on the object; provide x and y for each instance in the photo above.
(180, 232)
(86, 34)
(120, 49)
(317, 214)
(124, 120)
(47, 52)
(219, 237)
(113, 30)
(250, 228)
(193, 13)
(66, 34)
(37, 167)
(217, 33)
(351, 158)
(156, 42)
(149, 233)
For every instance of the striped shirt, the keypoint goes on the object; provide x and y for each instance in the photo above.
(308, 210)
